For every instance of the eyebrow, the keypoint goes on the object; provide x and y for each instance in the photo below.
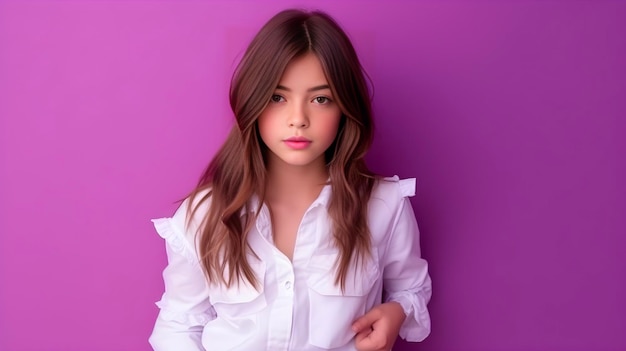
(316, 88)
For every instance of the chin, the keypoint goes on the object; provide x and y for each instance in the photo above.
(298, 162)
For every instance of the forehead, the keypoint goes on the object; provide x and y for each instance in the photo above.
(303, 71)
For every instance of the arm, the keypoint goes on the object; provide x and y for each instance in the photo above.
(185, 306)
(405, 281)
(405, 277)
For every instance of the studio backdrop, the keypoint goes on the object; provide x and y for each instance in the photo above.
(510, 114)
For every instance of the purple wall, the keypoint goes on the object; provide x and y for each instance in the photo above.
(511, 115)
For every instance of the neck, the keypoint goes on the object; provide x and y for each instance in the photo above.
(294, 183)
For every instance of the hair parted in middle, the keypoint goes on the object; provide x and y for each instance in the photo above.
(237, 172)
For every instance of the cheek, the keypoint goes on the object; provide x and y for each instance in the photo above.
(265, 128)
(332, 125)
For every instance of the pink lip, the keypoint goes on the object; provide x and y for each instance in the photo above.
(297, 143)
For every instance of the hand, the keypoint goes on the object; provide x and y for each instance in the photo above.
(378, 329)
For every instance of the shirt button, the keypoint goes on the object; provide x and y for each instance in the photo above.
(288, 285)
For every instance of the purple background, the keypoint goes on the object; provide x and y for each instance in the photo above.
(511, 115)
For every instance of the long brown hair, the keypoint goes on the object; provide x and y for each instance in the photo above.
(238, 170)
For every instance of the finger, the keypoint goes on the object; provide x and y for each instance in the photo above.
(362, 342)
(367, 341)
(365, 321)
(363, 334)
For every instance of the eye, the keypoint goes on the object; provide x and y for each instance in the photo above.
(322, 100)
(277, 98)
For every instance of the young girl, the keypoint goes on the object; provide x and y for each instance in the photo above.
(289, 242)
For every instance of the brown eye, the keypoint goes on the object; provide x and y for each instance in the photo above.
(276, 98)
(321, 100)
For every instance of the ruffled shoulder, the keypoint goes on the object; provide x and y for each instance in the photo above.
(395, 187)
(175, 238)
(389, 194)
(179, 232)
(407, 187)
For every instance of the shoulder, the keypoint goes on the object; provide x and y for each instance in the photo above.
(181, 229)
(191, 212)
(392, 190)
(389, 195)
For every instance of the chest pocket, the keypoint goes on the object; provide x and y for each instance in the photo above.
(242, 299)
(237, 309)
(329, 303)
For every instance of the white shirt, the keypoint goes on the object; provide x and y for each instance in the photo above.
(298, 306)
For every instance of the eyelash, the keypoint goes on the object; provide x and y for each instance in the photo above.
(325, 99)
(273, 98)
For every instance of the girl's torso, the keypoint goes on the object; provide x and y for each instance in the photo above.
(298, 306)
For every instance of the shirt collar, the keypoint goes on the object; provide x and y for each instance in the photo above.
(322, 200)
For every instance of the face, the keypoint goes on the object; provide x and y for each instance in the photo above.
(301, 120)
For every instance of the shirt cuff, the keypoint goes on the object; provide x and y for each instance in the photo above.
(416, 326)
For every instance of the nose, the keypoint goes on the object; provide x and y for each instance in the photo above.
(298, 117)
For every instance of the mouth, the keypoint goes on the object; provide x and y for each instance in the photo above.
(297, 143)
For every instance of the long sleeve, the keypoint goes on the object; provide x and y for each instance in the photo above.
(185, 307)
(406, 278)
